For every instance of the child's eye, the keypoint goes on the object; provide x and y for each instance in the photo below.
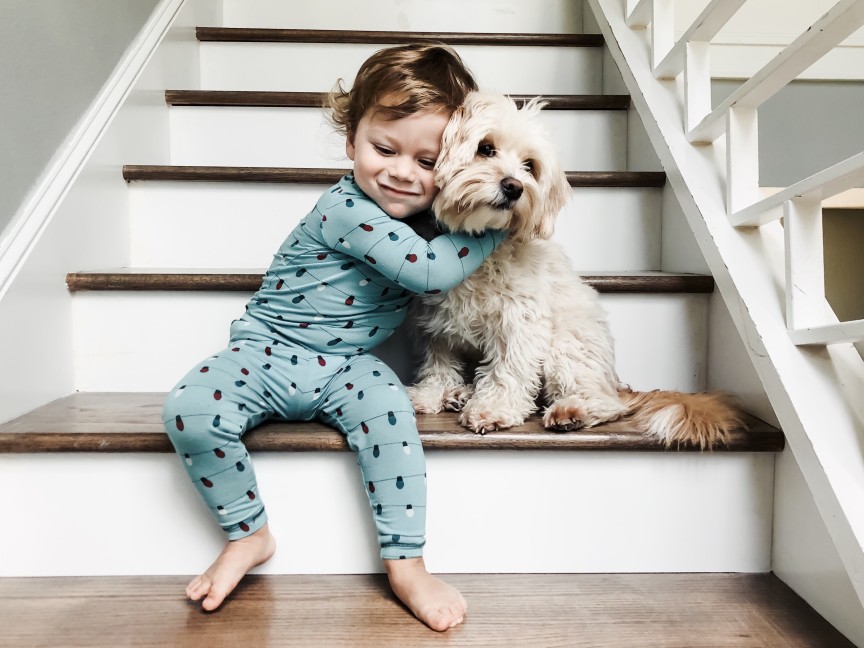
(427, 164)
(383, 150)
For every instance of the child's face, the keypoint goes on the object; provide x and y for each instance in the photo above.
(394, 159)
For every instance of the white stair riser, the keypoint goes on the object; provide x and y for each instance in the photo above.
(307, 67)
(147, 341)
(554, 16)
(489, 512)
(590, 140)
(198, 225)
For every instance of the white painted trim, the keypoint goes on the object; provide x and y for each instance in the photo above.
(836, 179)
(42, 201)
(816, 396)
(774, 40)
(639, 13)
(852, 331)
(703, 30)
(849, 199)
(809, 47)
(805, 264)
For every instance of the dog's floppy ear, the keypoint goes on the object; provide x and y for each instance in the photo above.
(457, 144)
(556, 188)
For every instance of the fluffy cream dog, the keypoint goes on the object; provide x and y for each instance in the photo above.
(525, 319)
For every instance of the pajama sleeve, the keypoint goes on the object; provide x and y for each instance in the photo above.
(362, 230)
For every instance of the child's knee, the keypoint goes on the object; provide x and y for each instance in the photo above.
(178, 419)
(190, 420)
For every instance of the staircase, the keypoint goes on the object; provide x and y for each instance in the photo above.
(205, 184)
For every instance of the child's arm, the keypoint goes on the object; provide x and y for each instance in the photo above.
(391, 247)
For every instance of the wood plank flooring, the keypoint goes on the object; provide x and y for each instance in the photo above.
(132, 422)
(528, 611)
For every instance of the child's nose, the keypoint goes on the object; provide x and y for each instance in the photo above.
(403, 168)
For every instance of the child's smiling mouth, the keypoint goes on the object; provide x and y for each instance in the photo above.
(398, 192)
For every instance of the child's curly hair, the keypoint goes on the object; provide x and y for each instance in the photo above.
(400, 81)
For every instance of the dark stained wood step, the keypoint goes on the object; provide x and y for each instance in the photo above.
(250, 280)
(131, 422)
(259, 35)
(295, 175)
(358, 611)
(266, 98)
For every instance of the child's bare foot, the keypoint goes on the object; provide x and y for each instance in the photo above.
(434, 602)
(236, 559)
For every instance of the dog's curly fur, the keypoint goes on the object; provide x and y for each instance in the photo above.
(525, 318)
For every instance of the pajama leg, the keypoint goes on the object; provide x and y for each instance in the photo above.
(368, 404)
(205, 417)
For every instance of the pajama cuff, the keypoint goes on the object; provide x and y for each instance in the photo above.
(400, 551)
(247, 527)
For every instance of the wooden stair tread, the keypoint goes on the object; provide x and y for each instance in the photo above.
(266, 35)
(298, 175)
(316, 99)
(131, 422)
(250, 280)
(526, 610)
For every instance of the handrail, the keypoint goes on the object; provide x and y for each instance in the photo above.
(816, 396)
(838, 23)
(704, 28)
(827, 183)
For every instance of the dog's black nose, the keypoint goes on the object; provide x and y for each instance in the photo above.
(512, 188)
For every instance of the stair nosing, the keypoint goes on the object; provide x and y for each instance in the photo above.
(269, 35)
(249, 280)
(320, 175)
(283, 99)
(437, 432)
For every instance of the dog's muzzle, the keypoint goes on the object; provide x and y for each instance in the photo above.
(510, 191)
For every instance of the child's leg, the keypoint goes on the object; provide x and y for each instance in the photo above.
(205, 417)
(368, 404)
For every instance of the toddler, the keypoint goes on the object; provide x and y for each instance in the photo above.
(340, 285)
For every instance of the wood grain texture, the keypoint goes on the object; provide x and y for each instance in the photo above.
(168, 173)
(132, 422)
(250, 280)
(261, 35)
(272, 98)
(172, 173)
(358, 611)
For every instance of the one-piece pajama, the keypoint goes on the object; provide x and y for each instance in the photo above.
(338, 286)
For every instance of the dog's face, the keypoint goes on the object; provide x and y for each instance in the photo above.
(499, 169)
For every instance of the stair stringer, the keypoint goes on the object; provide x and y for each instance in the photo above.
(812, 391)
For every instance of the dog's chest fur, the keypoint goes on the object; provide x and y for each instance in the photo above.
(513, 282)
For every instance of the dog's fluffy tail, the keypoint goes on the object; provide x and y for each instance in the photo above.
(705, 420)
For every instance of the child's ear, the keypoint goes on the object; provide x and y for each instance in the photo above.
(349, 146)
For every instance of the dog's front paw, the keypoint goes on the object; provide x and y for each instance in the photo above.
(573, 412)
(562, 417)
(426, 400)
(485, 417)
(455, 399)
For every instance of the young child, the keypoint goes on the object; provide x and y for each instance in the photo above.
(339, 285)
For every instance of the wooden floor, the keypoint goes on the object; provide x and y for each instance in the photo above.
(525, 611)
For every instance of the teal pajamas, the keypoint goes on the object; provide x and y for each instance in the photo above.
(338, 286)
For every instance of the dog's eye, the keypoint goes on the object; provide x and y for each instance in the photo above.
(486, 149)
(528, 165)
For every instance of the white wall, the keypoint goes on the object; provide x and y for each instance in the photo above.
(55, 55)
(85, 225)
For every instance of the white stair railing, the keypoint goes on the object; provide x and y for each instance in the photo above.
(812, 374)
